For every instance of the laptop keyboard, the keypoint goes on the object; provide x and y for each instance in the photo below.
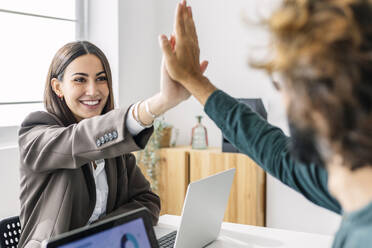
(167, 240)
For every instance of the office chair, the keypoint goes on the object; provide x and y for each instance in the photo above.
(10, 230)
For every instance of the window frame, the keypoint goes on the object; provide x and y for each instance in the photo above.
(81, 33)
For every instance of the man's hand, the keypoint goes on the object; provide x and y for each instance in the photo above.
(182, 62)
(172, 91)
(181, 55)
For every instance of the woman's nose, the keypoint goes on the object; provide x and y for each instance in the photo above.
(91, 89)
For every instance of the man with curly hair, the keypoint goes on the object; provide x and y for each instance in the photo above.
(323, 52)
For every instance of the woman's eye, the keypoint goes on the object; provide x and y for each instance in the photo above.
(103, 78)
(79, 79)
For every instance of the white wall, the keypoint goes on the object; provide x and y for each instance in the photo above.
(139, 55)
(9, 182)
(9, 174)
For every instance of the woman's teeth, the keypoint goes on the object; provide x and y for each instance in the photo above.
(90, 103)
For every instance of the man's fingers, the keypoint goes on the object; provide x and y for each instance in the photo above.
(203, 66)
(189, 11)
(166, 47)
(190, 25)
(179, 25)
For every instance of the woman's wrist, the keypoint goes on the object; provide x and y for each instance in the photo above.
(156, 106)
(139, 119)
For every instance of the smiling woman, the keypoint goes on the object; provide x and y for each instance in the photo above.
(79, 83)
(76, 162)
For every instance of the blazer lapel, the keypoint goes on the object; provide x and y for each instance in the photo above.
(111, 173)
(91, 189)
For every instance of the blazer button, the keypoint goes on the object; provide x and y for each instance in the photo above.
(102, 140)
(98, 142)
(106, 138)
(110, 136)
(114, 134)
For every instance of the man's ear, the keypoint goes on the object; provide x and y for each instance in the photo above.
(57, 87)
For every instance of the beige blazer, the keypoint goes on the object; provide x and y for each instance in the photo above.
(57, 185)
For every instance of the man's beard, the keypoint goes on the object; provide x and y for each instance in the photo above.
(303, 146)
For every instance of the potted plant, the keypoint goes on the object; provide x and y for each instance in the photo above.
(149, 157)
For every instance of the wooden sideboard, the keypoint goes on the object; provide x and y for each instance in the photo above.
(179, 166)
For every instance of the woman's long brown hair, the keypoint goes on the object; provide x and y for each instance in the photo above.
(61, 60)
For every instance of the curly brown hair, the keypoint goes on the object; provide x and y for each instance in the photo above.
(323, 49)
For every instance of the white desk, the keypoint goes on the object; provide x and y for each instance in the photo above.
(237, 235)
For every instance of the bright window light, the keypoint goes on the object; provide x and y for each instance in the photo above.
(31, 33)
(55, 8)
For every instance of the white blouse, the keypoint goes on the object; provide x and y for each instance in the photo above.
(99, 174)
(100, 179)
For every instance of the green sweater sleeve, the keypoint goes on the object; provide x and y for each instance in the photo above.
(268, 147)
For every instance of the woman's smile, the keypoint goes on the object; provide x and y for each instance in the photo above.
(91, 104)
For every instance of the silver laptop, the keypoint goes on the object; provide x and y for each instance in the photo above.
(202, 214)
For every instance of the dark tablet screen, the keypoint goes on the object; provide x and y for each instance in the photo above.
(132, 230)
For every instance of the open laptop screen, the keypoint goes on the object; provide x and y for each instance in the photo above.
(133, 230)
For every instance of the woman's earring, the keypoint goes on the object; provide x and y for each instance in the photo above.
(60, 97)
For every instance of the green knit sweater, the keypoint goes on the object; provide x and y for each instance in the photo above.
(268, 146)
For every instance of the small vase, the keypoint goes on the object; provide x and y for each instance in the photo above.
(166, 137)
(199, 136)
